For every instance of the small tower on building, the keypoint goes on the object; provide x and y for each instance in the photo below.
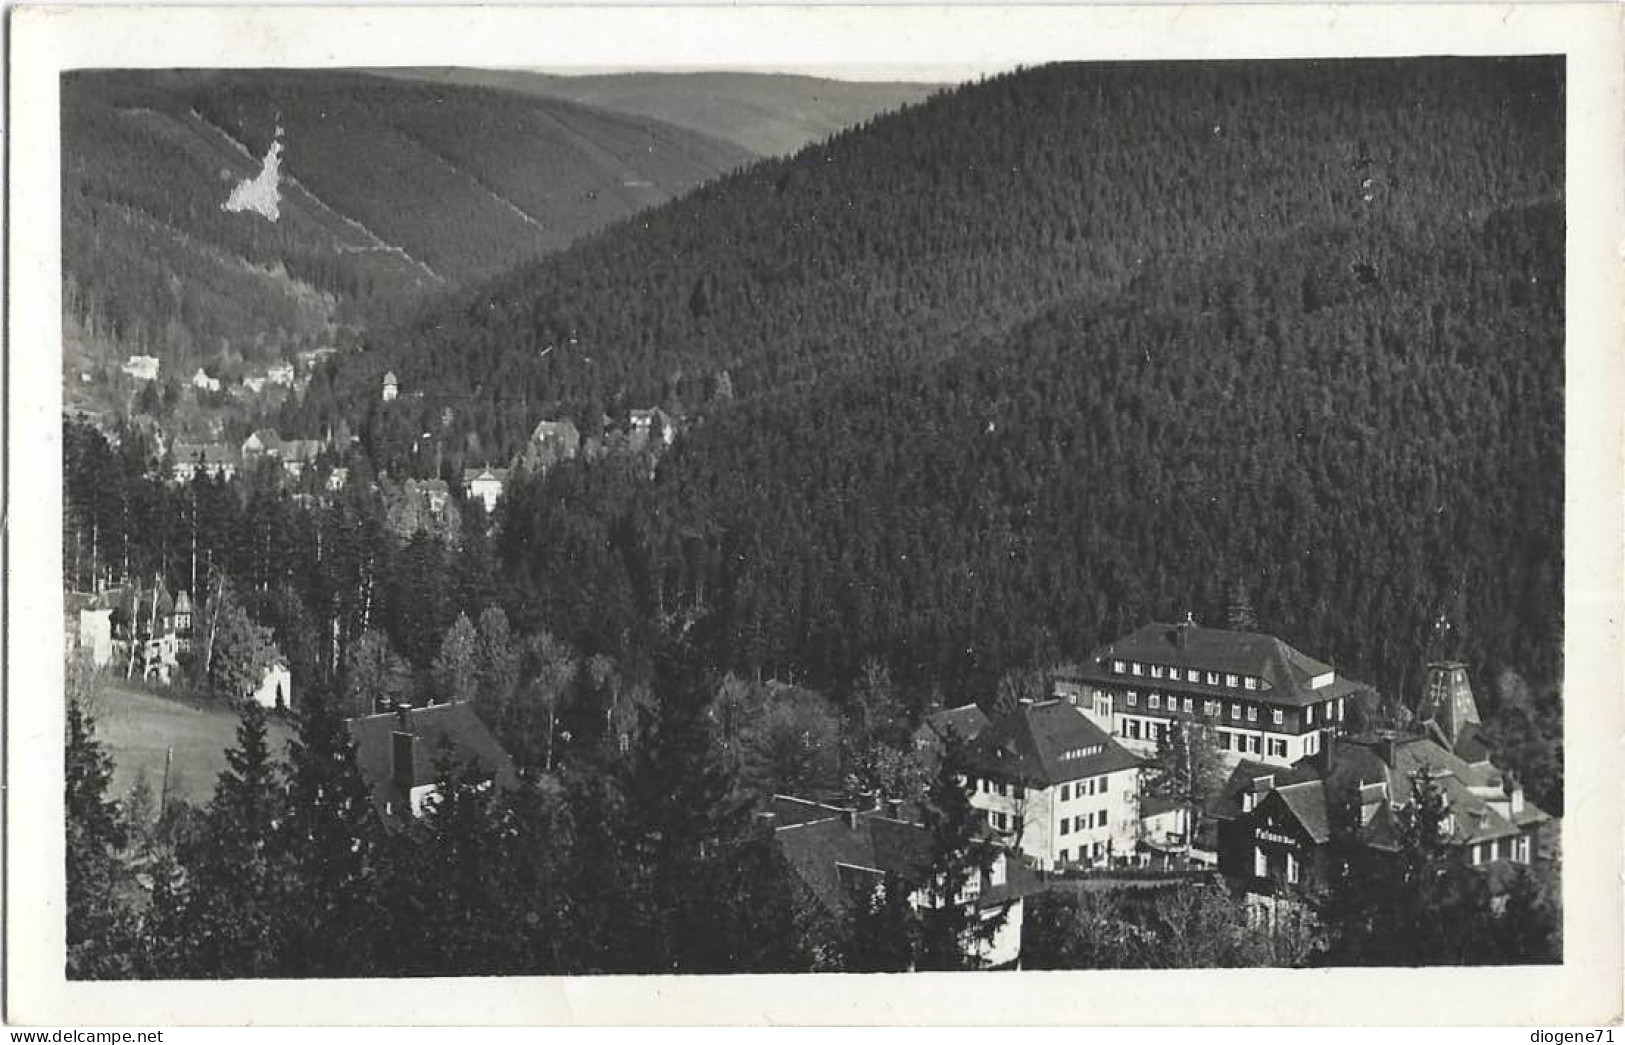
(392, 387)
(1448, 707)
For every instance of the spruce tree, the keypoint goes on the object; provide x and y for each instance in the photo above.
(226, 918)
(331, 835)
(953, 934)
(98, 924)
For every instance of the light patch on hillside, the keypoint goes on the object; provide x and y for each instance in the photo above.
(260, 193)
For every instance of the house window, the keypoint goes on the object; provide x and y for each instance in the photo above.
(1003, 789)
(1066, 792)
(1521, 849)
(1261, 866)
(1339, 709)
(1102, 818)
(1224, 741)
(1066, 828)
(1018, 792)
(1291, 869)
(1136, 668)
(1103, 781)
(1309, 715)
(1090, 784)
(1235, 710)
(1000, 821)
(1252, 713)
(1077, 823)
(1277, 748)
(1153, 702)
(1117, 666)
(1250, 683)
(1213, 678)
(1131, 728)
(1133, 698)
(1156, 671)
(1100, 850)
(1277, 717)
(1232, 681)
(1062, 855)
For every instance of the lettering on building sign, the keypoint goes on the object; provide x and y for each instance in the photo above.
(1268, 835)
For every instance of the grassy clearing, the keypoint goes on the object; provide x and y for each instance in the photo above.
(137, 726)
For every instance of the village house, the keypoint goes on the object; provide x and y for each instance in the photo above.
(337, 479)
(397, 753)
(485, 484)
(652, 425)
(145, 629)
(275, 691)
(293, 454)
(90, 625)
(841, 857)
(1264, 699)
(143, 368)
(214, 460)
(254, 383)
(931, 738)
(1054, 785)
(555, 441)
(1286, 836)
(280, 374)
(435, 492)
(392, 387)
(203, 382)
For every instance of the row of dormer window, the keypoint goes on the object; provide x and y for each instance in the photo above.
(1328, 710)
(1175, 674)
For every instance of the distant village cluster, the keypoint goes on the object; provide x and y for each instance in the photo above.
(645, 430)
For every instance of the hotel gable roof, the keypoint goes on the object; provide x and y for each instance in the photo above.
(1285, 674)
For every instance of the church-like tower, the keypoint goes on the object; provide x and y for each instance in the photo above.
(1448, 706)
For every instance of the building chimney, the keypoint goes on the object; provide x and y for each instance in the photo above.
(1387, 742)
(894, 808)
(851, 816)
(1514, 790)
(402, 758)
(1182, 630)
(1323, 753)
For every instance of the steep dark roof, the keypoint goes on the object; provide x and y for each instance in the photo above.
(1226, 804)
(1351, 762)
(822, 851)
(207, 453)
(1307, 801)
(966, 721)
(1284, 672)
(1043, 744)
(470, 740)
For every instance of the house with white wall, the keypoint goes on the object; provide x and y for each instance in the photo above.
(1055, 786)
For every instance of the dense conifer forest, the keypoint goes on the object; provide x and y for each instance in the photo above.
(1053, 353)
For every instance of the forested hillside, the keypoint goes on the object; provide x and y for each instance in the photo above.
(388, 191)
(1095, 343)
(926, 231)
(771, 114)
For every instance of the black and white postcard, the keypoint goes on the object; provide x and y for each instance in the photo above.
(539, 514)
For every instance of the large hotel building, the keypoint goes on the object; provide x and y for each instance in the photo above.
(1267, 701)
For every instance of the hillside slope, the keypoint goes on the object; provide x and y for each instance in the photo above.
(386, 190)
(1038, 359)
(769, 114)
(925, 233)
